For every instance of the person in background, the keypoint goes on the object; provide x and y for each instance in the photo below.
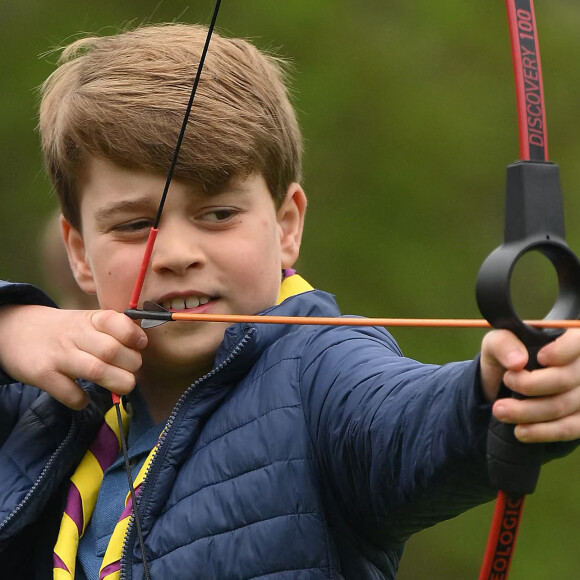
(57, 272)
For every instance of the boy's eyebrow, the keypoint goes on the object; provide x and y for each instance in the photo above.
(229, 186)
(128, 205)
(103, 214)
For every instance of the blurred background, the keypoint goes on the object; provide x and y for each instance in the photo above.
(408, 113)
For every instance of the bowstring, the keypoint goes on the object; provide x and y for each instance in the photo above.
(143, 269)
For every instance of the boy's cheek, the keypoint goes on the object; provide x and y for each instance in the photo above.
(114, 290)
(114, 272)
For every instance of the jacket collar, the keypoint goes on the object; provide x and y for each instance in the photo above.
(307, 302)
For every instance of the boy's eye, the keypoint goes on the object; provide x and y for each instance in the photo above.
(219, 215)
(133, 226)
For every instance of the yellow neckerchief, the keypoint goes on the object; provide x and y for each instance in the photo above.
(84, 488)
(86, 481)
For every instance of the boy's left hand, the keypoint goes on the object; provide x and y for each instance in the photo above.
(552, 413)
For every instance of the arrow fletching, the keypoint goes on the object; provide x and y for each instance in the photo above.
(152, 315)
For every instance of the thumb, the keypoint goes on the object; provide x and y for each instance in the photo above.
(501, 351)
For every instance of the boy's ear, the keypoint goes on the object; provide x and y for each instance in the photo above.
(290, 217)
(77, 257)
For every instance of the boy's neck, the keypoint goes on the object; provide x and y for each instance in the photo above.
(161, 391)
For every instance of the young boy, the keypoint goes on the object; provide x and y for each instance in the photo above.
(287, 451)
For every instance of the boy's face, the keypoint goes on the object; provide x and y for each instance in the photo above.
(220, 253)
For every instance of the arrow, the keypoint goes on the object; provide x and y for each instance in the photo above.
(154, 315)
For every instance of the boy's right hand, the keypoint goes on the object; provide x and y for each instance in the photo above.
(50, 348)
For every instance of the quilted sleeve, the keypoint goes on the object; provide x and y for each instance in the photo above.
(12, 293)
(401, 444)
(15, 398)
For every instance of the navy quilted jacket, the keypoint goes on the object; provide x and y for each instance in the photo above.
(306, 453)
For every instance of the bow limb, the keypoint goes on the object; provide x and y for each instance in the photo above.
(534, 222)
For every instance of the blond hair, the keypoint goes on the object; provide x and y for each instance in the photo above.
(123, 98)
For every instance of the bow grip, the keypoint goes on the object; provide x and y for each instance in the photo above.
(533, 222)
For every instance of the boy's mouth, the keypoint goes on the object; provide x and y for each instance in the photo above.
(188, 302)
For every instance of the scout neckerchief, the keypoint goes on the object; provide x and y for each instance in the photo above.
(86, 482)
(83, 491)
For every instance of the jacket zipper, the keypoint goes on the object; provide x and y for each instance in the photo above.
(129, 533)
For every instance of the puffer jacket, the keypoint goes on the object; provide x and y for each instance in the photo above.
(306, 453)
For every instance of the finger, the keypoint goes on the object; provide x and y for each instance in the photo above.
(544, 381)
(64, 389)
(121, 327)
(86, 366)
(537, 410)
(109, 350)
(562, 351)
(500, 350)
(565, 429)
(504, 350)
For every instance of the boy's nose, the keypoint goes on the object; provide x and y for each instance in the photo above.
(176, 249)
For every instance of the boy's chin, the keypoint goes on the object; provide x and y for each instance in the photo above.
(177, 347)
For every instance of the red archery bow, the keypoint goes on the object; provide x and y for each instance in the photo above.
(533, 222)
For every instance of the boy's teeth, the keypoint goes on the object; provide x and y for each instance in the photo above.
(188, 302)
(177, 304)
(192, 302)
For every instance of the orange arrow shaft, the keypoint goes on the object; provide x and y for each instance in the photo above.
(352, 321)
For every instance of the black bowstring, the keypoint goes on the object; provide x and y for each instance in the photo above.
(187, 114)
(136, 517)
(172, 166)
